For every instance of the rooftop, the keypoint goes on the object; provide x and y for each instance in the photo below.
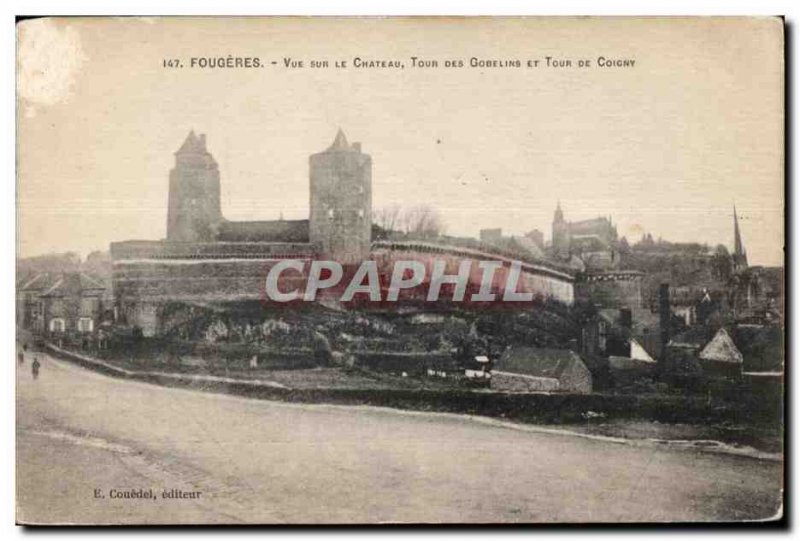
(538, 362)
(53, 284)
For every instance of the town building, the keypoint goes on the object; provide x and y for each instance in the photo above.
(528, 369)
(491, 236)
(528, 246)
(762, 348)
(720, 356)
(593, 242)
(611, 288)
(592, 247)
(741, 350)
(622, 332)
(60, 303)
(755, 293)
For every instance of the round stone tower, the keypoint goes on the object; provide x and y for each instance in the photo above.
(341, 201)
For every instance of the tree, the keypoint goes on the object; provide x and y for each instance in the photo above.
(422, 221)
(388, 217)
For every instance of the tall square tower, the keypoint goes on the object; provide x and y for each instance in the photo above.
(194, 211)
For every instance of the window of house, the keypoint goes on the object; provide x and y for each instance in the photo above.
(85, 324)
(57, 325)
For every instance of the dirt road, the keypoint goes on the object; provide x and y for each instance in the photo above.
(83, 438)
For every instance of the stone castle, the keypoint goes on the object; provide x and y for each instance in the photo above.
(341, 203)
(208, 259)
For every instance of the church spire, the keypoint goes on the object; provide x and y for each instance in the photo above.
(737, 237)
(739, 253)
(559, 214)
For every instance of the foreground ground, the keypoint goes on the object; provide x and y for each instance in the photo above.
(81, 434)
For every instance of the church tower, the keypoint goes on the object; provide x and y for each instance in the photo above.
(739, 253)
(341, 201)
(561, 240)
(194, 212)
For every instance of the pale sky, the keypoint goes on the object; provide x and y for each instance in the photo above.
(665, 147)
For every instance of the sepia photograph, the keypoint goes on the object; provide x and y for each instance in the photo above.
(400, 270)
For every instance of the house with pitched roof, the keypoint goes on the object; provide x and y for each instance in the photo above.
(701, 353)
(29, 304)
(528, 369)
(637, 360)
(57, 303)
(721, 357)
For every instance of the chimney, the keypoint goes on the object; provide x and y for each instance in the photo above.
(203, 141)
(357, 147)
(665, 315)
(626, 318)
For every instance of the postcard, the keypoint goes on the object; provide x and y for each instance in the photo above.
(400, 270)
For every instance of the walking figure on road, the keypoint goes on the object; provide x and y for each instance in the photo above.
(21, 358)
(35, 368)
